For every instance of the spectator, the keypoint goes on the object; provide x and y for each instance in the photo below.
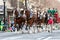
(53, 11)
(13, 28)
(56, 16)
(49, 11)
(50, 22)
(10, 29)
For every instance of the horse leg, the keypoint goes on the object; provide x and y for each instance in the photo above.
(26, 27)
(20, 27)
(29, 27)
(16, 27)
(46, 28)
(35, 29)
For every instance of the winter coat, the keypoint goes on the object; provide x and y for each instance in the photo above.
(50, 21)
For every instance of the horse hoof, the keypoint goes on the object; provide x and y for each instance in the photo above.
(48, 31)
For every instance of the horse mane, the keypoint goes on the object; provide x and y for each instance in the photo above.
(16, 12)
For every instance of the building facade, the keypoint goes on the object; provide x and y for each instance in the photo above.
(1, 10)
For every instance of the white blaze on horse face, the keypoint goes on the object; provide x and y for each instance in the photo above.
(48, 16)
(13, 13)
(21, 9)
(41, 13)
(19, 14)
(44, 15)
(38, 14)
(31, 14)
(24, 15)
(24, 11)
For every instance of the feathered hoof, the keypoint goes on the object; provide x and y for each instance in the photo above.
(30, 32)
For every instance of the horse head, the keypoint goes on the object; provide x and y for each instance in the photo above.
(22, 12)
(27, 13)
(16, 13)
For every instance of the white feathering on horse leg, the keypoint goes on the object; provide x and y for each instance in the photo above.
(39, 30)
(20, 31)
(46, 27)
(35, 29)
(31, 30)
(15, 29)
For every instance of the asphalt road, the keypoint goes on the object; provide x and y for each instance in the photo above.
(55, 35)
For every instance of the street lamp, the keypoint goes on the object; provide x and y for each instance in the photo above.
(4, 1)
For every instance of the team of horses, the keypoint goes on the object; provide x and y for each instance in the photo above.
(20, 20)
